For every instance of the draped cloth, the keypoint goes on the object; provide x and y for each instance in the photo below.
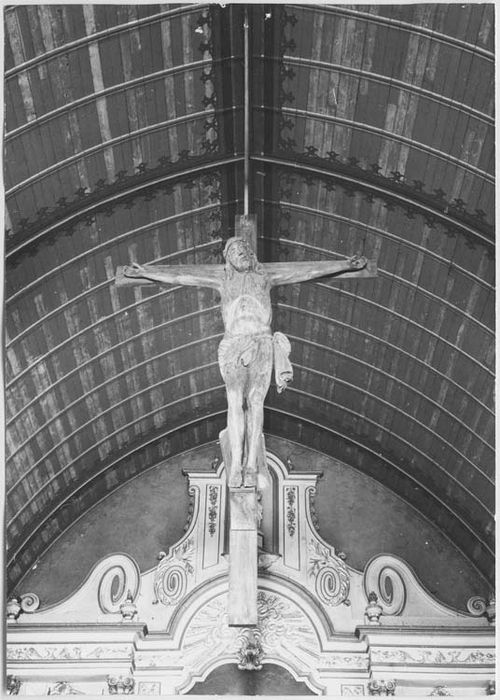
(245, 350)
(283, 370)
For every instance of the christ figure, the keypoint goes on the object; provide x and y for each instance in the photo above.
(249, 349)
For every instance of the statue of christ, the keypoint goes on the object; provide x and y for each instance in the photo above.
(249, 349)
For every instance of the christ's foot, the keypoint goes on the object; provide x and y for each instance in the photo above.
(250, 477)
(235, 479)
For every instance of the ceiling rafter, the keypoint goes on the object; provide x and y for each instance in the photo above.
(302, 163)
(386, 80)
(131, 397)
(103, 34)
(134, 185)
(366, 226)
(405, 26)
(387, 134)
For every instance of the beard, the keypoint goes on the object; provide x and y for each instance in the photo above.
(243, 265)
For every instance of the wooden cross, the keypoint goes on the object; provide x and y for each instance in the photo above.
(247, 354)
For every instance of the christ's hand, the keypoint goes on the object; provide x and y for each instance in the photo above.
(134, 270)
(357, 262)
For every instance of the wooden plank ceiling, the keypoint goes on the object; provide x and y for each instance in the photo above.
(372, 133)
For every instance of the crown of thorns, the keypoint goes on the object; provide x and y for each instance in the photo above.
(232, 241)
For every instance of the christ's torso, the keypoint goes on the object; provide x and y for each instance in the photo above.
(246, 304)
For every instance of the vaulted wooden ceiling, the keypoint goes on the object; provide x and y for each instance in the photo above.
(372, 132)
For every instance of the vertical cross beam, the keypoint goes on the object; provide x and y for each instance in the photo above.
(243, 548)
(242, 599)
(245, 227)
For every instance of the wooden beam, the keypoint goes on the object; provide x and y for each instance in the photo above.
(245, 226)
(242, 597)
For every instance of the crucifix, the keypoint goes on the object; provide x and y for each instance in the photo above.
(247, 354)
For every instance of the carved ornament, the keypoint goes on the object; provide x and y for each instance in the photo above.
(331, 578)
(477, 606)
(213, 497)
(283, 629)
(128, 608)
(148, 688)
(120, 685)
(171, 576)
(291, 509)
(338, 660)
(387, 583)
(381, 687)
(433, 656)
(13, 685)
(63, 688)
(17, 604)
(352, 690)
(373, 610)
(65, 653)
(440, 690)
(250, 652)
(120, 579)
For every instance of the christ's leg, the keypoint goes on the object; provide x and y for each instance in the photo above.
(259, 380)
(236, 432)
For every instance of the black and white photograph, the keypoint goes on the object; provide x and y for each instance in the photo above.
(249, 349)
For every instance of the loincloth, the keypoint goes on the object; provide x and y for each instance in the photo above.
(245, 350)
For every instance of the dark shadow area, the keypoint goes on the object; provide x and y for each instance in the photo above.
(270, 680)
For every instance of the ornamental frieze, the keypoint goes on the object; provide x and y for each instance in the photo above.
(339, 660)
(433, 656)
(65, 653)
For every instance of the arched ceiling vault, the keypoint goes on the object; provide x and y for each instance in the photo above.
(372, 132)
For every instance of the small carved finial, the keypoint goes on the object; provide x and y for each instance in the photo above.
(161, 555)
(120, 685)
(250, 652)
(491, 688)
(381, 687)
(128, 608)
(215, 463)
(13, 608)
(440, 690)
(13, 684)
(373, 610)
(289, 464)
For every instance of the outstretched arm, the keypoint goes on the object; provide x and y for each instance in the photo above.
(189, 275)
(289, 273)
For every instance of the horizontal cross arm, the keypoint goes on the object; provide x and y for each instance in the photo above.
(291, 272)
(204, 275)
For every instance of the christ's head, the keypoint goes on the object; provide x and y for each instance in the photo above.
(239, 254)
